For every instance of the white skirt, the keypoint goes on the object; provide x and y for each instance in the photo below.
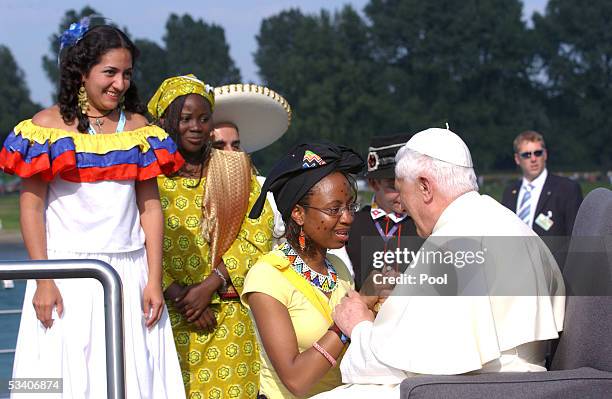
(74, 347)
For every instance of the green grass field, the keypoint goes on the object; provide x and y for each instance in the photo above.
(496, 190)
(9, 204)
(9, 212)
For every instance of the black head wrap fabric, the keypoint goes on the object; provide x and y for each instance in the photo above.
(299, 170)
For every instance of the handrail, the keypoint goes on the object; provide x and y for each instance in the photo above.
(9, 311)
(113, 311)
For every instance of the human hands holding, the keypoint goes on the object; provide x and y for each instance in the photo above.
(377, 287)
(386, 288)
(46, 297)
(351, 311)
(194, 300)
(174, 291)
(370, 300)
(152, 303)
(207, 320)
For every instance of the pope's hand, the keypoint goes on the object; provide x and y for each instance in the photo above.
(351, 311)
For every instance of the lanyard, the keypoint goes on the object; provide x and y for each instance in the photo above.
(387, 234)
(384, 235)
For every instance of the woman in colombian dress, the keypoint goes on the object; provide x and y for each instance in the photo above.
(88, 166)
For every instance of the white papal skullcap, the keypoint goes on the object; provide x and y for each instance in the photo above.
(443, 145)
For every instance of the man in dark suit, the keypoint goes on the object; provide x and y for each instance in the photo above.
(546, 202)
(383, 225)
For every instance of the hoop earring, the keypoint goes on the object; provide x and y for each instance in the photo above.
(82, 100)
(302, 239)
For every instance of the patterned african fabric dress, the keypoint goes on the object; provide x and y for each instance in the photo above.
(224, 363)
(91, 213)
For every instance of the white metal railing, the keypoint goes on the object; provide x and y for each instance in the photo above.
(9, 311)
(113, 311)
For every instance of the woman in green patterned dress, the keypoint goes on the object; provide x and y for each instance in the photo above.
(214, 336)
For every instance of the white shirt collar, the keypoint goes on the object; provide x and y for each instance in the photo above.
(378, 213)
(538, 182)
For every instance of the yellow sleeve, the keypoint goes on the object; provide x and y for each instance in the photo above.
(254, 240)
(267, 279)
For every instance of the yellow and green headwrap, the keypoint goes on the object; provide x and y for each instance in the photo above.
(177, 86)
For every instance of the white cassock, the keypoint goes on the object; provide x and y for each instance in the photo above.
(343, 255)
(448, 335)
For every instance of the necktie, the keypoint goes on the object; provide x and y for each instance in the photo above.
(524, 210)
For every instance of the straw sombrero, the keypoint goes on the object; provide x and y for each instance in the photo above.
(261, 115)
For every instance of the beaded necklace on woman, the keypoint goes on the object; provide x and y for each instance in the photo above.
(326, 283)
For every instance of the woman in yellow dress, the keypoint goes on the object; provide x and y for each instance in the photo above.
(203, 270)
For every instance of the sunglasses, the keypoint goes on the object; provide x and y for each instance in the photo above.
(527, 154)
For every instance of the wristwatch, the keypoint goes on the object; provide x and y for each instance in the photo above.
(338, 331)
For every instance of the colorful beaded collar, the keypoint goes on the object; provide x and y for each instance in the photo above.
(326, 283)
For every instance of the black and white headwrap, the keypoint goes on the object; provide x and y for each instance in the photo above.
(299, 170)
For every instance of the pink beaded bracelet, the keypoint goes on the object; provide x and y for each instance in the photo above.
(325, 353)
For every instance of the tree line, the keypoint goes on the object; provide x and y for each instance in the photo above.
(402, 66)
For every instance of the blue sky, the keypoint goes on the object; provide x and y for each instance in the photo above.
(25, 26)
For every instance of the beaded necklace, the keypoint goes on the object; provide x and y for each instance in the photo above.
(325, 283)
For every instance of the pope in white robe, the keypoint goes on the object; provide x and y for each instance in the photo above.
(417, 331)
